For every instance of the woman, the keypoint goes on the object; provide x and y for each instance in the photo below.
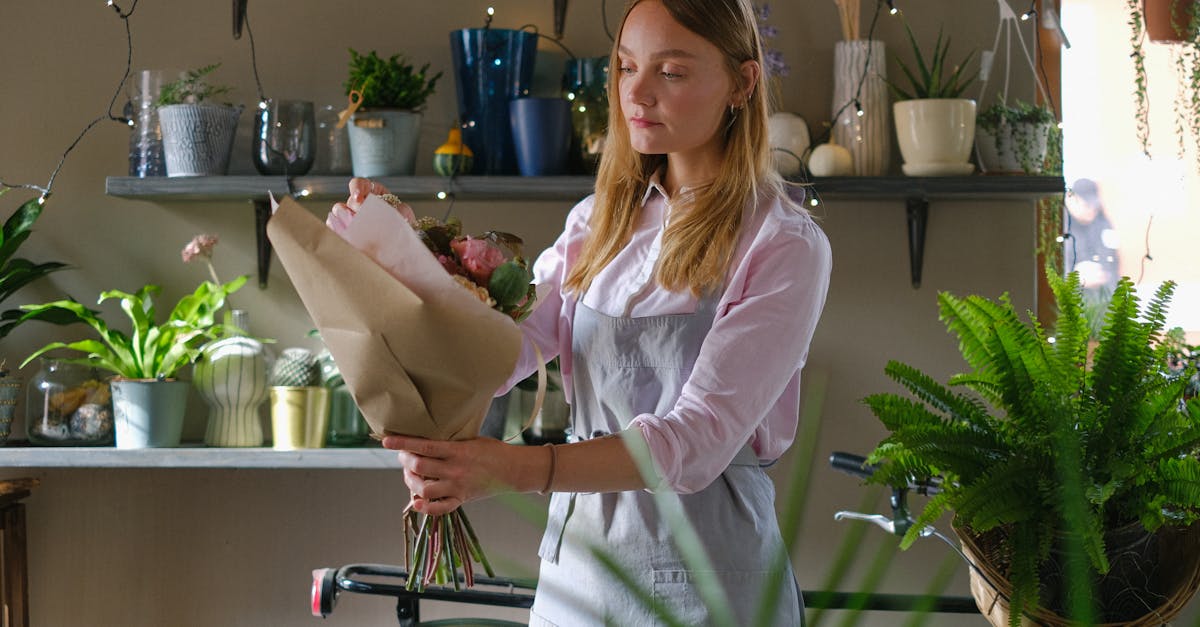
(684, 295)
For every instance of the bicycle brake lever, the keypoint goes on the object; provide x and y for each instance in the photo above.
(883, 522)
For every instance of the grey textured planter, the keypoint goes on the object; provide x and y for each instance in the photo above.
(198, 138)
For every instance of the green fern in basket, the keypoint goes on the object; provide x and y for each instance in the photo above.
(1117, 424)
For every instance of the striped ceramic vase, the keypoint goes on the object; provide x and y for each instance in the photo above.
(231, 377)
(867, 136)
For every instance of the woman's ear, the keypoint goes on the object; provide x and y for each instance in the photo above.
(748, 74)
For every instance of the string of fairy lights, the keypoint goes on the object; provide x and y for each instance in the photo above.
(447, 193)
(46, 190)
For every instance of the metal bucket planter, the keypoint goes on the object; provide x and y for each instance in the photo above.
(384, 143)
(299, 417)
(198, 138)
(149, 414)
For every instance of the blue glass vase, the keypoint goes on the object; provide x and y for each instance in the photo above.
(491, 67)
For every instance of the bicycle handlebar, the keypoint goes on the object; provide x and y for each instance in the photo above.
(857, 465)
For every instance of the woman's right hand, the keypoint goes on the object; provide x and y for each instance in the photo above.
(342, 212)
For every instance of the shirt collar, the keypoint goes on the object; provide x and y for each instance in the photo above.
(655, 185)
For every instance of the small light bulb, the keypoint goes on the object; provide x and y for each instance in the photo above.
(491, 11)
(1060, 239)
(570, 95)
(814, 202)
(304, 193)
(42, 198)
(441, 195)
(262, 104)
(582, 109)
(1052, 339)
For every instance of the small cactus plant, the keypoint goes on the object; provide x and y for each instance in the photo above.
(296, 367)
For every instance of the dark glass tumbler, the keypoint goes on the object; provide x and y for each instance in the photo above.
(284, 137)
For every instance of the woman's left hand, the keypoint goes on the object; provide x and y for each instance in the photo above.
(443, 475)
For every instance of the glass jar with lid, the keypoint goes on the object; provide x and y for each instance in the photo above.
(69, 404)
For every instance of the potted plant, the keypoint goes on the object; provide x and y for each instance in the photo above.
(1086, 472)
(16, 273)
(1013, 139)
(935, 125)
(387, 123)
(197, 133)
(148, 400)
(1175, 22)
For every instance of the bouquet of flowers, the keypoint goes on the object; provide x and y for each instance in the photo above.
(421, 355)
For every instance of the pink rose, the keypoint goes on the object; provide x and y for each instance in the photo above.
(479, 256)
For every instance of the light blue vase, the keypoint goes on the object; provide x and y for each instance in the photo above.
(149, 414)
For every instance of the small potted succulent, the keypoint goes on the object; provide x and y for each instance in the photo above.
(148, 400)
(390, 95)
(935, 125)
(197, 133)
(1013, 139)
(299, 403)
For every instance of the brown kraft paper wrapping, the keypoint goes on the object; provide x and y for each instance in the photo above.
(419, 353)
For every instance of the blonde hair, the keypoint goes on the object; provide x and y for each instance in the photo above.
(699, 242)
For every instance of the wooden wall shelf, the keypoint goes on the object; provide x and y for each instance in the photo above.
(916, 192)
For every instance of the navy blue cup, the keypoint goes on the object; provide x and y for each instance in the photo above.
(542, 133)
(491, 67)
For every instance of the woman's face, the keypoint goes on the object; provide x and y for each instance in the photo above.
(674, 85)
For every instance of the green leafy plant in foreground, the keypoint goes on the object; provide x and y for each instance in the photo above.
(1075, 447)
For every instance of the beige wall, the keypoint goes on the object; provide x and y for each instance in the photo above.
(230, 547)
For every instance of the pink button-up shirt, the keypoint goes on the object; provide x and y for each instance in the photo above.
(745, 386)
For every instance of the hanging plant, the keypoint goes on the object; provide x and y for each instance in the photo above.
(1185, 22)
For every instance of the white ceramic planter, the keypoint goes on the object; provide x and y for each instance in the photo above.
(198, 138)
(384, 143)
(1013, 148)
(935, 136)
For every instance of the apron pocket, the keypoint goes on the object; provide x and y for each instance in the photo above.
(743, 589)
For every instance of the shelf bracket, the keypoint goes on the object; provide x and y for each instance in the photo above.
(262, 213)
(917, 210)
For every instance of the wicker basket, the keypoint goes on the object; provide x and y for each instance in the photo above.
(1168, 559)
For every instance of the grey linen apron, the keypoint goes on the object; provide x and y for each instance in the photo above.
(624, 367)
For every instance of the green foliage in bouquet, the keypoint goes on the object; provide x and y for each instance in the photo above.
(392, 83)
(16, 272)
(1118, 423)
(151, 350)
